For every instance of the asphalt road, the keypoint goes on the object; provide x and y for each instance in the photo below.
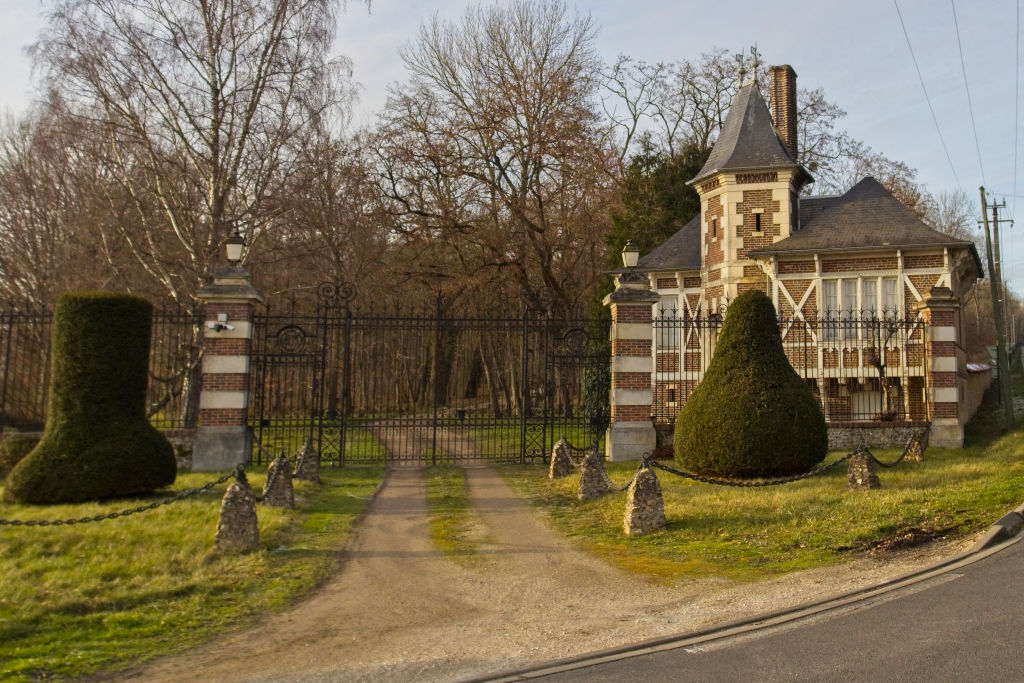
(965, 623)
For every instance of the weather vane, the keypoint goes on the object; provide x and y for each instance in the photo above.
(741, 64)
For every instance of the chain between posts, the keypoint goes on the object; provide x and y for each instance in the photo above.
(238, 473)
(648, 462)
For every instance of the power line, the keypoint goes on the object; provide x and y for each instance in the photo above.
(970, 105)
(1016, 111)
(926, 98)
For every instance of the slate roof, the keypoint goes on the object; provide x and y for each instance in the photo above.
(748, 139)
(868, 216)
(681, 251)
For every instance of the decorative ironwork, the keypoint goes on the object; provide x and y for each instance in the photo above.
(336, 293)
(290, 339)
(425, 387)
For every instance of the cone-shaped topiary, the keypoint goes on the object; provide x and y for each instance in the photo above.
(97, 443)
(752, 415)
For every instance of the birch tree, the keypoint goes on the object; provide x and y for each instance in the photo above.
(197, 104)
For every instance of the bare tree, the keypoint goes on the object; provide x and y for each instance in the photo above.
(47, 213)
(492, 155)
(196, 103)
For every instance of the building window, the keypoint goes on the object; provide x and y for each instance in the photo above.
(890, 298)
(757, 222)
(667, 324)
(847, 300)
(714, 228)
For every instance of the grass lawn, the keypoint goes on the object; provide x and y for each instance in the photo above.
(97, 597)
(755, 533)
(454, 527)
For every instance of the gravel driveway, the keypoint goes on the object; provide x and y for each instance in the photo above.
(399, 610)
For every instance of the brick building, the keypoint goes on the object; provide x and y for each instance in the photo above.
(868, 295)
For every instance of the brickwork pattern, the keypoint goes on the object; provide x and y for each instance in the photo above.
(751, 239)
(690, 282)
(795, 267)
(226, 346)
(667, 362)
(631, 380)
(226, 382)
(667, 283)
(924, 261)
(923, 283)
(630, 413)
(857, 265)
(622, 313)
(715, 212)
(631, 347)
(222, 417)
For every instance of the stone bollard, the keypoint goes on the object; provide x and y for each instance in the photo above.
(918, 445)
(307, 468)
(861, 473)
(278, 491)
(645, 508)
(594, 481)
(237, 531)
(561, 463)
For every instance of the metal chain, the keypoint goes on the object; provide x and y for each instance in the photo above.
(916, 437)
(762, 482)
(238, 472)
(629, 483)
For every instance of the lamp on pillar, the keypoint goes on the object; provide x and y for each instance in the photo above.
(234, 247)
(223, 439)
(631, 431)
(630, 254)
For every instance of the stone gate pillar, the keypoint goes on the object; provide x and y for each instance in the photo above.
(631, 431)
(945, 360)
(223, 439)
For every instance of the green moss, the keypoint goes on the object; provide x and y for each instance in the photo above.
(13, 449)
(97, 443)
(752, 415)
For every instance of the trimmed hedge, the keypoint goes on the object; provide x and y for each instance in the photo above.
(752, 415)
(97, 443)
(13, 449)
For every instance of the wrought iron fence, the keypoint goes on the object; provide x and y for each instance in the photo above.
(860, 367)
(175, 351)
(434, 385)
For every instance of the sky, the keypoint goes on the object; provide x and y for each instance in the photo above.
(856, 51)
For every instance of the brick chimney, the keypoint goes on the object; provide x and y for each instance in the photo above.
(784, 105)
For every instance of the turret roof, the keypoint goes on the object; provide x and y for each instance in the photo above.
(748, 140)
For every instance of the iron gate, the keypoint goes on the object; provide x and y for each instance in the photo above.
(425, 386)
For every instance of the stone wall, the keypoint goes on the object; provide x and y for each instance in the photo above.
(975, 385)
(848, 436)
(841, 437)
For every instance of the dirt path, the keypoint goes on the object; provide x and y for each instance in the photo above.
(401, 611)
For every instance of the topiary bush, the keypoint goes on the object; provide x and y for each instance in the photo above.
(13, 448)
(752, 415)
(97, 443)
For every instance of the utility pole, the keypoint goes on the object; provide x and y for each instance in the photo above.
(1002, 361)
(997, 247)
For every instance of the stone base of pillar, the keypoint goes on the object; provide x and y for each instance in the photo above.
(630, 440)
(946, 433)
(221, 448)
